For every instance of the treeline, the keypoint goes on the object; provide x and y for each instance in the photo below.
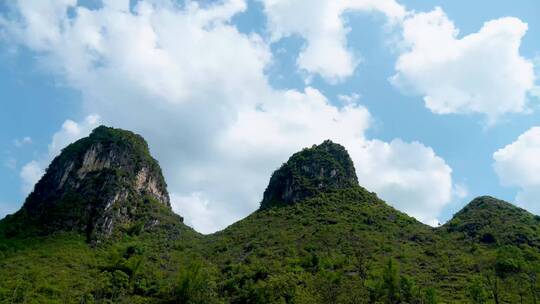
(197, 284)
(135, 272)
(507, 277)
(511, 276)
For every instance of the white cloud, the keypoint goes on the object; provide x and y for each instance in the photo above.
(22, 142)
(44, 22)
(518, 164)
(410, 176)
(349, 99)
(200, 212)
(195, 87)
(481, 72)
(321, 24)
(460, 190)
(30, 174)
(71, 131)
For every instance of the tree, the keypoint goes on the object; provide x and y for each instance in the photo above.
(477, 291)
(407, 289)
(195, 285)
(430, 296)
(390, 284)
(493, 285)
(509, 261)
(531, 275)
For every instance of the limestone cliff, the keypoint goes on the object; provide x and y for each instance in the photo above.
(321, 168)
(99, 185)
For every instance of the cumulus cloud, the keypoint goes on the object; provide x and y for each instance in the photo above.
(195, 87)
(482, 72)
(321, 24)
(30, 173)
(408, 175)
(71, 131)
(517, 165)
(199, 212)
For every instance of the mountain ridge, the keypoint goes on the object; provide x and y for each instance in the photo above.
(318, 237)
(304, 173)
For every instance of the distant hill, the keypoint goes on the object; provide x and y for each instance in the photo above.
(491, 221)
(98, 228)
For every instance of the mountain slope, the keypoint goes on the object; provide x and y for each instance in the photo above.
(347, 235)
(492, 221)
(98, 228)
(322, 238)
(99, 185)
(318, 237)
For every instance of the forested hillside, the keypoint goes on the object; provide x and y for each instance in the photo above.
(99, 228)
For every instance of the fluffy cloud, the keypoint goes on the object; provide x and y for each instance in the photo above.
(408, 175)
(32, 171)
(517, 165)
(481, 72)
(70, 132)
(322, 26)
(195, 87)
(199, 212)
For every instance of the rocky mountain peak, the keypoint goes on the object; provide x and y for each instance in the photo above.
(321, 168)
(98, 185)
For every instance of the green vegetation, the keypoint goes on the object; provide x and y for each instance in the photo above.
(63, 268)
(113, 140)
(482, 221)
(323, 168)
(342, 247)
(349, 245)
(96, 186)
(327, 240)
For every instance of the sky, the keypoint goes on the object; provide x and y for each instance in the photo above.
(437, 102)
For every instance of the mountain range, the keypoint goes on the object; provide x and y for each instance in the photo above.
(99, 228)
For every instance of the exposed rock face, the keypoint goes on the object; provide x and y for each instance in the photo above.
(98, 185)
(321, 168)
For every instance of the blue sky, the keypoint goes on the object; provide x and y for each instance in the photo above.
(214, 88)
